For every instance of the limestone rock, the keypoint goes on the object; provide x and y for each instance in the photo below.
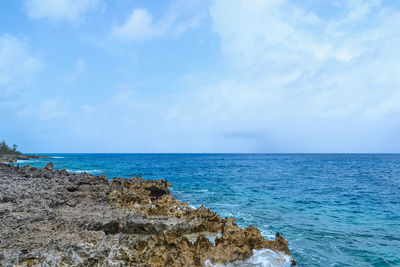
(55, 218)
(49, 166)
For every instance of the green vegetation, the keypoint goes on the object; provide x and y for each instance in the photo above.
(5, 149)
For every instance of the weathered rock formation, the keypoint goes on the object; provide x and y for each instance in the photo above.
(55, 218)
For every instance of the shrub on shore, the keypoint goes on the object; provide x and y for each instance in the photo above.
(5, 149)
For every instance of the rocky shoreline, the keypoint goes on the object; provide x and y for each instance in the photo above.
(56, 218)
(11, 158)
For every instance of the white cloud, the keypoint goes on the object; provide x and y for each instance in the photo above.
(141, 25)
(58, 10)
(344, 64)
(261, 31)
(301, 80)
(58, 110)
(52, 109)
(294, 79)
(17, 66)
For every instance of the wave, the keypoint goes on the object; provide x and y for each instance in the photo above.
(262, 258)
(57, 157)
(201, 190)
(24, 161)
(269, 258)
(267, 234)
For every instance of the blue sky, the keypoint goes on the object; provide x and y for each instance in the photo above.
(200, 76)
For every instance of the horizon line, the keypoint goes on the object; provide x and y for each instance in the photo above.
(255, 153)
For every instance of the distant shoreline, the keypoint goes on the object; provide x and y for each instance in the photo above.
(11, 158)
(211, 153)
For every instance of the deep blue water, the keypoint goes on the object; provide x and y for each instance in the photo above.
(334, 209)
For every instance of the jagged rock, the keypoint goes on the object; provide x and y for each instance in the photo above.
(49, 166)
(53, 218)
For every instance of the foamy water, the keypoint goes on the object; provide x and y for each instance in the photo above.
(27, 161)
(260, 258)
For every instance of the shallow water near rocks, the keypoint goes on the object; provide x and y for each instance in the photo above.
(334, 209)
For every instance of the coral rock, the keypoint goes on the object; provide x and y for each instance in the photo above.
(55, 218)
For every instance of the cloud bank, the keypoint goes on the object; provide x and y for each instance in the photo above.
(141, 25)
(59, 10)
(281, 76)
(17, 67)
(314, 82)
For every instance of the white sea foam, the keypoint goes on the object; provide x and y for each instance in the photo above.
(24, 161)
(269, 235)
(261, 258)
(57, 157)
(269, 258)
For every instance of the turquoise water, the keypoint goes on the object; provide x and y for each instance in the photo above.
(334, 209)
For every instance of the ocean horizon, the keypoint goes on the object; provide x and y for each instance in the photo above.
(335, 209)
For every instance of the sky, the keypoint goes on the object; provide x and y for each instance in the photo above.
(195, 76)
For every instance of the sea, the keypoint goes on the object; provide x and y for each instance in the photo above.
(334, 209)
